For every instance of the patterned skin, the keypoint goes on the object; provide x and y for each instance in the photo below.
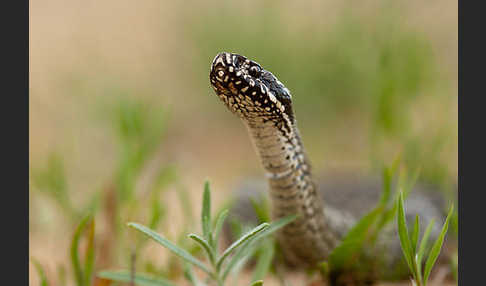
(265, 106)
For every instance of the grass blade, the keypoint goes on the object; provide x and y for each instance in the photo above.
(261, 209)
(205, 245)
(342, 255)
(218, 227)
(247, 248)
(415, 234)
(353, 240)
(360, 228)
(90, 253)
(276, 225)
(169, 245)
(250, 251)
(267, 252)
(257, 283)
(240, 241)
(190, 275)
(423, 242)
(403, 234)
(140, 279)
(454, 261)
(436, 247)
(41, 272)
(206, 212)
(157, 213)
(78, 272)
(387, 182)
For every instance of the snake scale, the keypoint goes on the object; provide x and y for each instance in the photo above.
(264, 105)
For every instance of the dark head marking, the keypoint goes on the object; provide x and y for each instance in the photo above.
(249, 90)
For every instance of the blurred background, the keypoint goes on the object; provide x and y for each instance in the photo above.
(124, 124)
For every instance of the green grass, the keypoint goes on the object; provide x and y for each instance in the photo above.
(415, 253)
(363, 75)
(219, 264)
(347, 257)
(41, 272)
(83, 273)
(352, 253)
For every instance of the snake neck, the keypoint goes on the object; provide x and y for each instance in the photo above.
(265, 105)
(308, 239)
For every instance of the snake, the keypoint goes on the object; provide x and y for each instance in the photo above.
(264, 105)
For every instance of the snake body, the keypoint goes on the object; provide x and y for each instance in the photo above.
(264, 105)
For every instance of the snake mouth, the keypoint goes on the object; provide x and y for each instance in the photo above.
(248, 89)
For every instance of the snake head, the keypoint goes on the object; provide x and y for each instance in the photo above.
(249, 90)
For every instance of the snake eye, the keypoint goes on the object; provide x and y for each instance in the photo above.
(254, 71)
